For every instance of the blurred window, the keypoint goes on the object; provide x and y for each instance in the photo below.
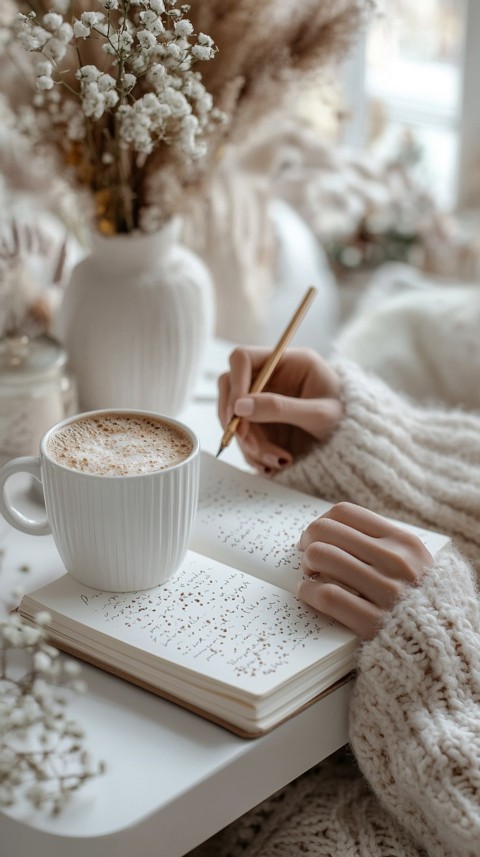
(414, 77)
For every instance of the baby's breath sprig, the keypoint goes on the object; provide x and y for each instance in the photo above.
(42, 756)
(113, 86)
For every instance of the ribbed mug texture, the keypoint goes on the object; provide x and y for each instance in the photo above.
(121, 533)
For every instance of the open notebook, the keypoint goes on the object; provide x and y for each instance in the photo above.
(225, 636)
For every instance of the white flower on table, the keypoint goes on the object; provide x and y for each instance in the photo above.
(42, 755)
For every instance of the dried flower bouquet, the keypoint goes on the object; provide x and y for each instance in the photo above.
(120, 95)
(115, 80)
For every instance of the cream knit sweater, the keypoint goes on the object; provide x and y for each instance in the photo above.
(415, 714)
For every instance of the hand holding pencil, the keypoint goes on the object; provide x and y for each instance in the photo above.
(281, 401)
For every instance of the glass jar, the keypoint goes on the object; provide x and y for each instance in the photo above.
(36, 391)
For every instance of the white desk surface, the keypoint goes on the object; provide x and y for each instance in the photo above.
(172, 778)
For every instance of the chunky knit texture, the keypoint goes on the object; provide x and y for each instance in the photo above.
(419, 744)
(329, 812)
(415, 713)
(419, 465)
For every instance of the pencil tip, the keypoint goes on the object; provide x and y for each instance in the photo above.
(219, 451)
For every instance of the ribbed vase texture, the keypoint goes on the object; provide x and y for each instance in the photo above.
(122, 533)
(136, 319)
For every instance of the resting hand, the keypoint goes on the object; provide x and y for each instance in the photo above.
(358, 564)
(299, 404)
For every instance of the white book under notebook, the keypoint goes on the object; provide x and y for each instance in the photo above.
(225, 637)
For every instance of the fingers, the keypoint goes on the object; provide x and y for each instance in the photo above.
(361, 519)
(341, 567)
(233, 385)
(258, 451)
(356, 613)
(299, 405)
(244, 365)
(301, 373)
(315, 416)
(224, 410)
(397, 553)
(357, 564)
(261, 453)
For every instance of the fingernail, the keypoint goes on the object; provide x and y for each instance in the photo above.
(244, 407)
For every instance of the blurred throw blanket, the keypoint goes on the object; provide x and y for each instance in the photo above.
(418, 334)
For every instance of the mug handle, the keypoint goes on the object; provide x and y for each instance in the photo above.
(27, 464)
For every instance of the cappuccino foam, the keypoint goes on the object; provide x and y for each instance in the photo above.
(119, 444)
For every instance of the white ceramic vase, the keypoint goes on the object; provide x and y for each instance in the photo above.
(136, 317)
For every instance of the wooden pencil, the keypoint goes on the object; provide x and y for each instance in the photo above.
(271, 362)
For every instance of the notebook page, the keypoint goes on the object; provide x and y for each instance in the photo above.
(254, 524)
(207, 619)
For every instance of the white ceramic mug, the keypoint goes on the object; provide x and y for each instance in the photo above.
(117, 533)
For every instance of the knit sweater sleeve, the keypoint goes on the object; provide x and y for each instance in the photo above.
(416, 464)
(415, 714)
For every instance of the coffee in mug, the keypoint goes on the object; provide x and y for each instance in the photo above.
(119, 444)
(121, 491)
